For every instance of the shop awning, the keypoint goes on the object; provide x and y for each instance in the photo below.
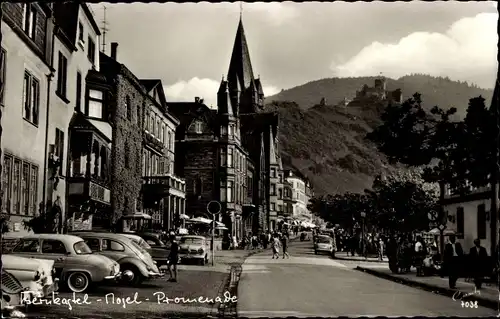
(200, 220)
(137, 215)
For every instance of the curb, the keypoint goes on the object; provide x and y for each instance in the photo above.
(231, 285)
(362, 260)
(485, 302)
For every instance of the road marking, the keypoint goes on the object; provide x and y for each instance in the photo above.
(293, 260)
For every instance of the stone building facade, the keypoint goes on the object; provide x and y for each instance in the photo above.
(163, 193)
(27, 30)
(226, 154)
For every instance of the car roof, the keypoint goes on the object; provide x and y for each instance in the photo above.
(132, 236)
(102, 234)
(193, 236)
(61, 237)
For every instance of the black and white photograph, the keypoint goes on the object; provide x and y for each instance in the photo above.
(249, 159)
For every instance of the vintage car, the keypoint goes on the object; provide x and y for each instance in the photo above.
(324, 244)
(193, 247)
(75, 264)
(136, 263)
(11, 295)
(35, 275)
(157, 252)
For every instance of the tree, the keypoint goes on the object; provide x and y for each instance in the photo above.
(449, 151)
(47, 221)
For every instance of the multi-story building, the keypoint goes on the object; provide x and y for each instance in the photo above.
(163, 193)
(296, 198)
(226, 154)
(469, 217)
(27, 30)
(78, 131)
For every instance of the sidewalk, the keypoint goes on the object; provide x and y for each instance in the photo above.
(487, 297)
(345, 256)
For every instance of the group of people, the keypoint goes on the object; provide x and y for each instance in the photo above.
(403, 253)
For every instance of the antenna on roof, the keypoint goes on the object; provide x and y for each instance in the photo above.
(104, 29)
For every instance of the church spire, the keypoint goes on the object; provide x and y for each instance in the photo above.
(240, 67)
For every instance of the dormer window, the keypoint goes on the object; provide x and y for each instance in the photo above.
(198, 127)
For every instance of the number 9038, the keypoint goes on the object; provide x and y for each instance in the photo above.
(470, 304)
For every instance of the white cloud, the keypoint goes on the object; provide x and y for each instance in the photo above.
(185, 91)
(466, 51)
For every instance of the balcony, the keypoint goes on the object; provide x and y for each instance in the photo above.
(159, 186)
(149, 140)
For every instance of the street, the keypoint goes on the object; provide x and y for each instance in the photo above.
(155, 298)
(314, 285)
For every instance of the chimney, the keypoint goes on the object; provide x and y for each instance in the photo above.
(197, 100)
(114, 46)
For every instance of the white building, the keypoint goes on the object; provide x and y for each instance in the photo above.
(26, 71)
(296, 196)
(469, 217)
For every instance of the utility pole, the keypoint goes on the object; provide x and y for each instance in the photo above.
(104, 30)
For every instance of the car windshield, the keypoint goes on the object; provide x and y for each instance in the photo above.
(141, 243)
(136, 247)
(81, 248)
(323, 240)
(191, 241)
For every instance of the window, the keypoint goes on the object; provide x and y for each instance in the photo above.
(25, 194)
(162, 135)
(460, 222)
(273, 172)
(3, 74)
(6, 183)
(81, 248)
(223, 157)
(95, 104)
(62, 74)
(91, 51)
(280, 193)
(29, 20)
(31, 98)
(80, 32)
(171, 141)
(93, 243)
(78, 105)
(34, 189)
(16, 194)
(481, 221)
(223, 191)
(230, 185)
(153, 124)
(59, 148)
(111, 245)
(50, 246)
(231, 130)
(230, 162)
(128, 111)
(273, 206)
(281, 178)
(27, 246)
(273, 189)
(158, 128)
(223, 130)
(280, 208)
(198, 127)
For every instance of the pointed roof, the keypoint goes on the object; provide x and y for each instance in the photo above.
(224, 105)
(149, 84)
(240, 67)
(259, 86)
(272, 151)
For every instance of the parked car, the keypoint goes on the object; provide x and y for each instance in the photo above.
(158, 252)
(324, 244)
(35, 275)
(194, 247)
(11, 293)
(136, 264)
(75, 264)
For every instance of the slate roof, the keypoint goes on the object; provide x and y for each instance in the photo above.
(240, 67)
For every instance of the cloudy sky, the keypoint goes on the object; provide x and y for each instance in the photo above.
(188, 46)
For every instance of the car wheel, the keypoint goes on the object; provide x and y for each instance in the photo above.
(203, 261)
(78, 282)
(131, 275)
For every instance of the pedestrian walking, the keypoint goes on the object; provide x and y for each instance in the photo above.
(381, 249)
(478, 258)
(420, 255)
(276, 247)
(284, 245)
(453, 258)
(173, 259)
(255, 242)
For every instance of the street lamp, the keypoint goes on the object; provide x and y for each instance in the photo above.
(363, 215)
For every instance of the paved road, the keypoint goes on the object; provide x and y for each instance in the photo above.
(309, 285)
(194, 282)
